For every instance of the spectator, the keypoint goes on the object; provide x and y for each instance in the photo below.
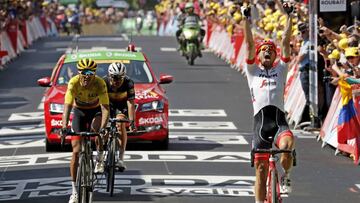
(304, 66)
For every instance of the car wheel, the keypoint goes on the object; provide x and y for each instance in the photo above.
(49, 147)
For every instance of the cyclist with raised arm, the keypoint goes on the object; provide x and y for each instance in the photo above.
(267, 83)
(87, 95)
(122, 103)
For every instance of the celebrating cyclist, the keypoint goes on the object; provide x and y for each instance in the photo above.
(122, 103)
(87, 95)
(267, 83)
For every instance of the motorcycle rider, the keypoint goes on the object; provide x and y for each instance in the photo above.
(189, 17)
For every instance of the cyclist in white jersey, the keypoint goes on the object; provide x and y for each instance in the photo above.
(266, 81)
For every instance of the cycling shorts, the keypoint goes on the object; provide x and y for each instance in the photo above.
(269, 125)
(116, 110)
(82, 119)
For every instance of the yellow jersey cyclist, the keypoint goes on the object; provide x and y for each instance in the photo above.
(267, 81)
(87, 95)
(122, 103)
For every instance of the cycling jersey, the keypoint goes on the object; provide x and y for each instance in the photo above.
(119, 97)
(86, 97)
(267, 85)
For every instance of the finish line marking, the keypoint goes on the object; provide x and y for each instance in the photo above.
(149, 185)
(36, 160)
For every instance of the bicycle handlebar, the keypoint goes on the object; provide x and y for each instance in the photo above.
(272, 152)
(122, 120)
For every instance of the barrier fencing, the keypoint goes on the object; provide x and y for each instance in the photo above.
(19, 35)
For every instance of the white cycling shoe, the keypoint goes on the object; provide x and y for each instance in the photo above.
(73, 198)
(285, 187)
(100, 165)
(120, 165)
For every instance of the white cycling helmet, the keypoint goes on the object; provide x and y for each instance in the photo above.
(117, 68)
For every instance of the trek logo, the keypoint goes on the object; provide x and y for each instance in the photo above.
(274, 75)
(152, 120)
(267, 83)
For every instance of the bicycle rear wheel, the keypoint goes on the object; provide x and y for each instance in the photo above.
(111, 168)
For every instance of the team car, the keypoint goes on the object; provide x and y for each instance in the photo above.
(151, 101)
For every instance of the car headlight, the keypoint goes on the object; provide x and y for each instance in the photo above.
(152, 106)
(56, 108)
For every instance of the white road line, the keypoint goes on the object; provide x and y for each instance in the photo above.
(201, 125)
(30, 50)
(198, 112)
(157, 185)
(168, 49)
(22, 130)
(357, 185)
(173, 49)
(41, 105)
(36, 141)
(13, 102)
(173, 125)
(130, 156)
(102, 39)
(172, 112)
(26, 116)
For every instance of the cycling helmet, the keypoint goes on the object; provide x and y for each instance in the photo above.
(117, 68)
(86, 64)
(189, 5)
(265, 42)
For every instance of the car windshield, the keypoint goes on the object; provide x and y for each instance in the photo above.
(138, 71)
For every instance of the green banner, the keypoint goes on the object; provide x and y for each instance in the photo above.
(105, 55)
(66, 2)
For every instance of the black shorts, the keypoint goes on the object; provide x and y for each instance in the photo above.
(269, 126)
(118, 110)
(83, 118)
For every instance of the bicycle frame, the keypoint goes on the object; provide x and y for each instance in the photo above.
(112, 147)
(273, 194)
(85, 177)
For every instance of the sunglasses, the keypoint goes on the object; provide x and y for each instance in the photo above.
(87, 72)
(265, 48)
(117, 77)
(350, 57)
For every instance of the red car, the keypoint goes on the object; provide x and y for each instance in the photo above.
(150, 98)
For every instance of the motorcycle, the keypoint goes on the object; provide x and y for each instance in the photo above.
(190, 49)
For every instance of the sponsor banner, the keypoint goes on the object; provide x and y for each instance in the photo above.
(154, 185)
(198, 112)
(146, 95)
(130, 156)
(202, 125)
(332, 5)
(151, 120)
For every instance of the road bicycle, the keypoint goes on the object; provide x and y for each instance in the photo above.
(112, 148)
(85, 178)
(273, 194)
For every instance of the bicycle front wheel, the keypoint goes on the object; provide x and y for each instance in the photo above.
(111, 168)
(84, 192)
(274, 192)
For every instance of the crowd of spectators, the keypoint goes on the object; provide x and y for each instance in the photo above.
(337, 49)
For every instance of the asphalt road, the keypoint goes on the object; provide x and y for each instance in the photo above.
(204, 165)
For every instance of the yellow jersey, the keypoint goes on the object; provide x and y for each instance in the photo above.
(86, 97)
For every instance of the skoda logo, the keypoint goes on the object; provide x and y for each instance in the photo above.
(108, 54)
(74, 56)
